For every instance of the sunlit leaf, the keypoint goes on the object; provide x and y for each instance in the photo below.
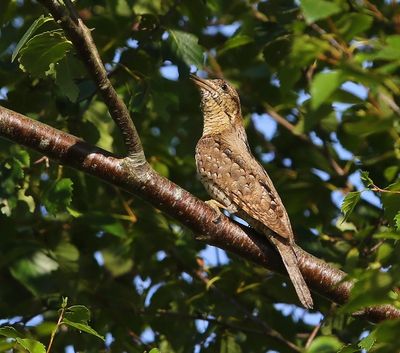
(391, 50)
(397, 221)
(32, 346)
(42, 51)
(323, 85)
(185, 46)
(235, 42)
(316, 10)
(326, 344)
(366, 179)
(82, 327)
(349, 202)
(350, 25)
(32, 29)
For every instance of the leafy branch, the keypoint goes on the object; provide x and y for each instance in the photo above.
(352, 198)
(83, 42)
(59, 321)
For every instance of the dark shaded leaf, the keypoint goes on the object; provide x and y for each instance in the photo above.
(58, 196)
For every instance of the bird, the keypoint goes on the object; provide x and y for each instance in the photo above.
(236, 181)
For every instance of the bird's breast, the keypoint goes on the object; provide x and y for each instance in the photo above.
(214, 170)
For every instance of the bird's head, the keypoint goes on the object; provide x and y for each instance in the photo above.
(220, 105)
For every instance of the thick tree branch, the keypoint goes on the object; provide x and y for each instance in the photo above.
(82, 40)
(142, 180)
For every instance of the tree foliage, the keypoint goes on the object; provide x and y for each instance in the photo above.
(319, 84)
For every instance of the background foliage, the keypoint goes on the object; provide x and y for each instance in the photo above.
(319, 83)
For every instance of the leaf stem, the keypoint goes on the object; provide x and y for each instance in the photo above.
(60, 318)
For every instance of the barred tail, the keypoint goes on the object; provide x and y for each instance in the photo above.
(290, 261)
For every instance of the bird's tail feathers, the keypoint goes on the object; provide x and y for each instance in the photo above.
(290, 261)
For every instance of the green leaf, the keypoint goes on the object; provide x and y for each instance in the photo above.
(349, 349)
(77, 313)
(160, 168)
(77, 316)
(185, 46)
(349, 203)
(391, 202)
(317, 10)
(154, 350)
(58, 197)
(32, 29)
(377, 284)
(387, 235)
(384, 253)
(117, 261)
(326, 344)
(64, 80)
(323, 86)
(82, 327)
(32, 346)
(115, 228)
(366, 179)
(391, 172)
(9, 332)
(305, 49)
(43, 50)
(367, 125)
(234, 42)
(229, 345)
(33, 272)
(352, 24)
(397, 221)
(67, 251)
(391, 51)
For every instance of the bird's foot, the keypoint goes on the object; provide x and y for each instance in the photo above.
(216, 206)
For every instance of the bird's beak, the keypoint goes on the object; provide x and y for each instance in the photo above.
(201, 83)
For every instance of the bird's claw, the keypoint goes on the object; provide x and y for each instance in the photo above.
(216, 206)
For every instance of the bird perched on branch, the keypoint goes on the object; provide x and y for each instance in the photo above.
(236, 181)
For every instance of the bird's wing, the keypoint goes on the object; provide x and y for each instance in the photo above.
(241, 178)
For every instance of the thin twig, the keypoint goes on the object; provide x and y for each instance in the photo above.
(330, 39)
(286, 124)
(378, 189)
(60, 318)
(82, 40)
(312, 335)
(131, 215)
(375, 11)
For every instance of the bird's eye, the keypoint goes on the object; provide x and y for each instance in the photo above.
(224, 86)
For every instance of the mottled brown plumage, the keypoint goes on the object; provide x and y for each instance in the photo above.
(234, 178)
